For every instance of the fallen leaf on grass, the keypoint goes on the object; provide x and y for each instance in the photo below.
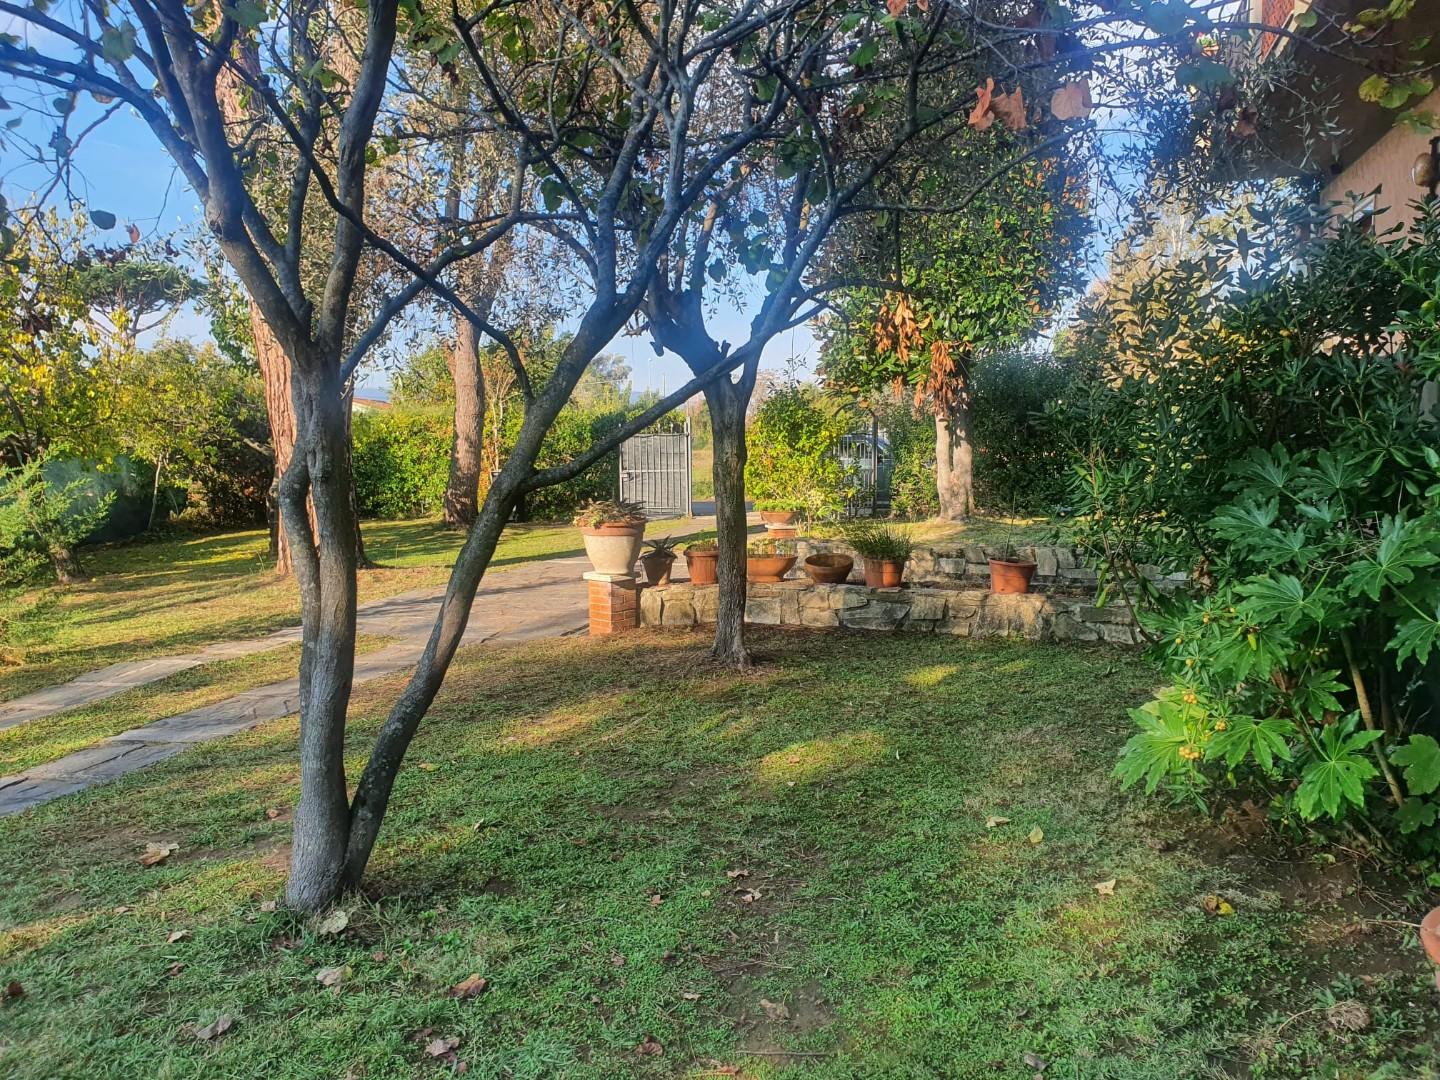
(650, 1046)
(272, 813)
(748, 896)
(995, 822)
(177, 935)
(656, 900)
(1105, 888)
(221, 1024)
(733, 874)
(428, 766)
(1217, 905)
(14, 990)
(333, 923)
(174, 969)
(440, 1047)
(1034, 1061)
(690, 995)
(331, 976)
(472, 986)
(1036, 835)
(775, 1010)
(268, 906)
(618, 959)
(157, 853)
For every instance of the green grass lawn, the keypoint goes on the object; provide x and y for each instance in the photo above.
(661, 869)
(158, 597)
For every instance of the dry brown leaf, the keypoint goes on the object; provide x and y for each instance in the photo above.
(733, 874)
(134, 231)
(1036, 835)
(221, 1024)
(656, 900)
(981, 117)
(650, 1046)
(1010, 108)
(333, 923)
(690, 995)
(157, 853)
(748, 896)
(1105, 888)
(994, 822)
(1072, 101)
(268, 906)
(331, 976)
(428, 766)
(177, 935)
(174, 969)
(272, 813)
(896, 7)
(440, 1047)
(618, 959)
(775, 1010)
(468, 987)
(1217, 905)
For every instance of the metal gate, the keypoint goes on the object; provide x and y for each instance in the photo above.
(655, 472)
(866, 457)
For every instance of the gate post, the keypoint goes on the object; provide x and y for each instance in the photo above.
(614, 603)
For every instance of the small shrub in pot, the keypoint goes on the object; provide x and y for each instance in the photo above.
(658, 561)
(612, 530)
(885, 550)
(768, 561)
(701, 559)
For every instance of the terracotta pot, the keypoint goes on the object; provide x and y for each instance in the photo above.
(657, 567)
(884, 573)
(701, 565)
(828, 567)
(767, 569)
(1430, 936)
(613, 547)
(1010, 575)
(781, 532)
(779, 517)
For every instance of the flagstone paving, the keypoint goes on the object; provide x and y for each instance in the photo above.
(541, 599)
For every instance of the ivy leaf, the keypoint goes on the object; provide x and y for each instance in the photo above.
(1421, 758)
(117, 43)
(866, 54)
(247, 13)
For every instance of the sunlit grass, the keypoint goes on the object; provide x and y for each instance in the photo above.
(626, 842)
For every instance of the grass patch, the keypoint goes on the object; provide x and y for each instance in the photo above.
(157, 597)
(785, 873)
(48, 738)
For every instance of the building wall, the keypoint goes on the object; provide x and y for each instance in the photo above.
(1387, 165)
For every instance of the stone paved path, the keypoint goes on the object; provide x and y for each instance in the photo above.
(541, 599)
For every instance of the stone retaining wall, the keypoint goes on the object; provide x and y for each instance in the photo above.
(1055, 565)
(917, 609)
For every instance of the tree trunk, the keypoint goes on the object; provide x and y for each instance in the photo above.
(727, 420)
(155, 494)
(462, 491)
(275, 373)
(325, 572)
(955, 461)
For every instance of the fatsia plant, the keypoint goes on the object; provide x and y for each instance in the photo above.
(1285, 458)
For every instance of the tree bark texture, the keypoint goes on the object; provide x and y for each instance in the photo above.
(955, 461)
(727, 420)
(280, 410)
(462, 490)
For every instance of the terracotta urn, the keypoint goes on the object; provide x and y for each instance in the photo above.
(884, 573)
(702, 566)
(1430, 938)
(1011, 575)
(779, 517)
(828, 567)
(657, 566)
(767, 569)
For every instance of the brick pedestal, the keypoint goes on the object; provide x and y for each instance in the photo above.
(614, 603)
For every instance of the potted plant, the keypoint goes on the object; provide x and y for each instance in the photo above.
(1430, 939)
(612, 530)
(701, 558)
(828, 567)
(1009, 573)
(779, 511)
(768, 561)
(658, 561)
(885, 550)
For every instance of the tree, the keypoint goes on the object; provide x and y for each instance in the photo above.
(632, 126)
(967, 282)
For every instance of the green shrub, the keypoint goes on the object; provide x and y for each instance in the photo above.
(878, 540)
(1282, 457)
(42, 522)
(791, 461)
(1018, 467)
(401, 461)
